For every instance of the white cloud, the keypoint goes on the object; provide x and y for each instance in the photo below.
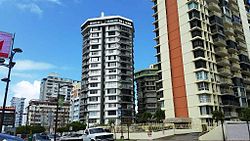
(31, 7)
(23, 65)
(27, 90)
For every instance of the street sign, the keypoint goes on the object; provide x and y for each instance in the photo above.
(6, 41)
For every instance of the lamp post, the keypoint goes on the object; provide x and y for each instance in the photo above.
(7, 80)
(57, 105)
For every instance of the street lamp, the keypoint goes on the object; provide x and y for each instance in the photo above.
(57, 105)
(7, 80)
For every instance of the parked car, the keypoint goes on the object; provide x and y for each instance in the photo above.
(6, 137)
(97, 134)
(40, 137)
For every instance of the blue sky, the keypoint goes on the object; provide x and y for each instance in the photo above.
(48, 31)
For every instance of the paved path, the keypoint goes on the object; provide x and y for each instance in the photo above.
(183, 137)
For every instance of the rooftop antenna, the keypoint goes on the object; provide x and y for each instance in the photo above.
(102, 14)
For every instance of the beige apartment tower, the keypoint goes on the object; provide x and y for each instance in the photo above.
(203, 59)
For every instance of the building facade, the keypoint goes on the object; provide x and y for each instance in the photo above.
(44, 113)
(75, 103)
(203, 59)
(18, 103)
(49, 87)
(146, 90)
(107, 70)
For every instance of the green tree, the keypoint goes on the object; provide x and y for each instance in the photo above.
(62, 129)
(33, 129)
(245, 116)
(159, 115)
(146, 117)
(23, 130)
(219, 116)
(76, 126)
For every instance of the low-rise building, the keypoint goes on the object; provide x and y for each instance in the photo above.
(44, 113)
(75, 102)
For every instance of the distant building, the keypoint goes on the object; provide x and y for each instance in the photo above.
(9, 118)
(146, 90)
(44, 113)
(75, 103)
(49, 87)
(107, 70)
(18, 103)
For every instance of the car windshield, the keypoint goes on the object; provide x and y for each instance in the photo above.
(96, 130)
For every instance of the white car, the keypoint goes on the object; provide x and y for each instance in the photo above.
(97, 134)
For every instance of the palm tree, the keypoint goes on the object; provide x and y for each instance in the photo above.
(245, 116)
(219, 116)
(159, 115)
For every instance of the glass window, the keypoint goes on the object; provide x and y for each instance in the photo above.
(202, 86)
(112, 112)
(111, 91)
(204, 98)
(202, 75)
(112, 97)
(192, 5)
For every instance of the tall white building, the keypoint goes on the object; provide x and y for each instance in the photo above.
(18, 103)
(49, 87)
(75, 103)
(107, 70)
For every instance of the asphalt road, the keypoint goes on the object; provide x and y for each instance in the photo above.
(183, 137)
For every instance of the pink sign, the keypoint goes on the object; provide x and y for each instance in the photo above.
(5, 44)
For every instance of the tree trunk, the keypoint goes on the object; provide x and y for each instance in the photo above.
(248, 129)
(223, 134)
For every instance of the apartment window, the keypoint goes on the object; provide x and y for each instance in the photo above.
(200, 64)
(204, 98)
(93, 106)
(112, 70)
(242, 92)
(206, 110)
(95, 72)
(93, 84)
(95, 34)
(111, 91)
(202, 75)
(111, 33)
(195, 23)
(111, 105)
(111, 64)
(95, 52)
(198, 43)
(112, 39)
(94, 47)
(196, 33)
(92, 113)
(111, 27)
(202, 86)
(93, 91)
(94, 65)
(194, 14)
(192, 5)
(92, 120)
(94, 40)
(112, 97)
(95, 59)
(93, 99)
(112, 77)
(113, 112)
(111, 57)
(199, 53)
(95, 28)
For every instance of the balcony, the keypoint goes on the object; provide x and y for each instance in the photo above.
(218, 14)
(240, 37)
(247, 87)
(223, 62)
(219, 41)
(221, 51)
(229, 31)
(233, 57)
(227, 22)
(248, 15)
(231, 114)
(235, 67)
(226, 81)
(230, 103)
(224, 71)
(233, 6)
(213, 7)
(246, 80)
(227, 92)
(242, 46)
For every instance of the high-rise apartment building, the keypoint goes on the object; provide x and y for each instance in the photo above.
(107, 70)
(49, 87)
(75, 103)
(146, 90)
(203, 59)
(18, 103)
